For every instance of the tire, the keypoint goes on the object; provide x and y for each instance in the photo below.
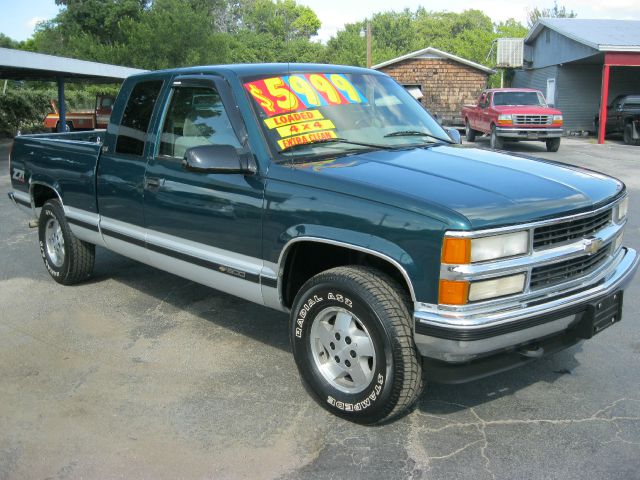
(353, 344)
(628, 135)
(553, 144)
(67, 259)
(469, 133)
(495, 141)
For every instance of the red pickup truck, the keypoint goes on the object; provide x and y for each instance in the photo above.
(82, 119)
(513, 113)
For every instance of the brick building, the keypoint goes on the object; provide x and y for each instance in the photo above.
(445, 81)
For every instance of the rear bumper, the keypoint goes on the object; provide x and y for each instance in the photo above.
(465, 337)
(529, 133)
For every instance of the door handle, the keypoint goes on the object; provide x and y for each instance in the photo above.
(152, 183)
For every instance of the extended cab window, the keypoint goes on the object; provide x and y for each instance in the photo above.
(196, 116)
(136, 118)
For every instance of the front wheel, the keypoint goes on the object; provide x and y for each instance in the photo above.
(469, 133)
(495, 141)
(67, 259)
(628, 135)
(553, 144)
(353, 344)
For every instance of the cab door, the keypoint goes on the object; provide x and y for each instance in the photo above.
(121, 168)
(203, 226)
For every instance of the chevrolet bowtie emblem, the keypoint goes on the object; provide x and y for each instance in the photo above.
(592, 245)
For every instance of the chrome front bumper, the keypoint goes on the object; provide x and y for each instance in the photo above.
(529, 133)
(463, 336)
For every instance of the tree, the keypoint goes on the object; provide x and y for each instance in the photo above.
(553, 12)
(6, 42)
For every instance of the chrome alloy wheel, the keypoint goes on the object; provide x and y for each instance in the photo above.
(54, 241)
(342, 350)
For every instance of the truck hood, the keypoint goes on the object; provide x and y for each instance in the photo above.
(464, 187)
(526, 110)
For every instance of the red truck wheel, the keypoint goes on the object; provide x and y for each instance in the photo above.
(495, 142)
(553, 144)
(469, 133)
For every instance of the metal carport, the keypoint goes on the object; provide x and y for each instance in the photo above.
(22, 65)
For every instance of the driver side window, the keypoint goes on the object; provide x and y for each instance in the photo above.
(196, 116)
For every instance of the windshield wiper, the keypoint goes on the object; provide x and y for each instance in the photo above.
(417, 133)
(324, 141)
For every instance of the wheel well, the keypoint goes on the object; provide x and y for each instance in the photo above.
(306, 259)
(42, 193)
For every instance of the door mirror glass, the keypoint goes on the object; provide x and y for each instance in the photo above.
(214, 159)
(455, 135)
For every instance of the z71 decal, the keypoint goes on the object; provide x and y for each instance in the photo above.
(18, 175)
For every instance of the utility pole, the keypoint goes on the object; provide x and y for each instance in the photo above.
(369, 37)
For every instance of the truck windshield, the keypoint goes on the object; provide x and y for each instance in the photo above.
(308, 114)
(519, 98)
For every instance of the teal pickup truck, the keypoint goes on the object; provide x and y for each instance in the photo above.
(330, 193)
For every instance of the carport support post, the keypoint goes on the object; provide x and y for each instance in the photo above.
(604, 101)
(62, 110)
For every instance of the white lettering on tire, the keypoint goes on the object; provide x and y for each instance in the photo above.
(363, 404)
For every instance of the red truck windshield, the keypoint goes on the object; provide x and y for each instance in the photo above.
(518, 98)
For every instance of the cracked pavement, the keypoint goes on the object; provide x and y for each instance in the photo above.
(140, 374)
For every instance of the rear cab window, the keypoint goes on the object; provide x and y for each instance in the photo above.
(134, 126)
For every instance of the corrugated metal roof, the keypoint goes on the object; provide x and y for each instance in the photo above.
(603, 35)
(21, 65)
(436, 52)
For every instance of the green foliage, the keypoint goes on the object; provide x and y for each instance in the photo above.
(554, 12)
(6, 42)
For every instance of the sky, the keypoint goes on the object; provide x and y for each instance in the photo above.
(18, 18)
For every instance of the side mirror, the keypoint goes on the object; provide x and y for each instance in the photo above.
(454, 134)
(216, 159)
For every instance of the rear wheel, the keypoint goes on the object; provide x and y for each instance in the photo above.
(67, 259)
(353, 344)
(469, 133)
(495, 141)
(628, 135)
(553, 144)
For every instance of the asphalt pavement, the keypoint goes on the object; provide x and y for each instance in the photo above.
(140, 374)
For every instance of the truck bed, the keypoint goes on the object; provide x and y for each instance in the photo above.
(66, 161)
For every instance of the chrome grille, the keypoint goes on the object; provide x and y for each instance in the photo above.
(563, 232)
(532, 119)
(561, 272)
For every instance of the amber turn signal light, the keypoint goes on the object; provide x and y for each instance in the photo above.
(456, 250)
(453, 293)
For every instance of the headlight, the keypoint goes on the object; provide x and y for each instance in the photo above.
(466, 250)
(557, 118)
(505, 119)
(496, 287)
(620, 212)
(462, 292)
